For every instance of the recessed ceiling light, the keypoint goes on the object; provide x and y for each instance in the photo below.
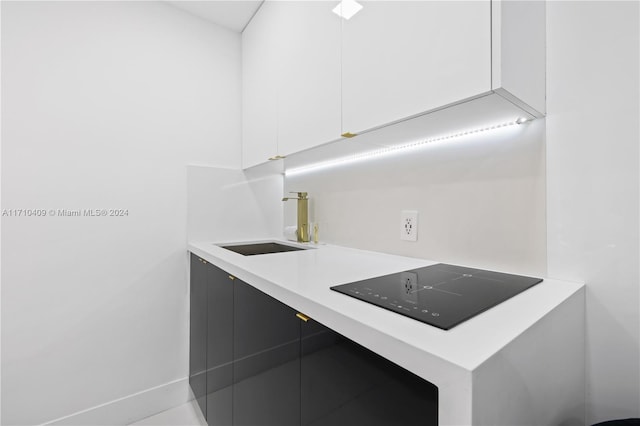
(347, 8)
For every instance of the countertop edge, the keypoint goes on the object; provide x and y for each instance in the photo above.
(396, 349)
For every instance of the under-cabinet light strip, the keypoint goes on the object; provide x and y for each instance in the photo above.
(356, 158)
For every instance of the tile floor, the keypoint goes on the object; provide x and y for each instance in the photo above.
(183, 415)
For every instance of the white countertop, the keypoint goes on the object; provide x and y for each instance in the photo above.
(301, 279)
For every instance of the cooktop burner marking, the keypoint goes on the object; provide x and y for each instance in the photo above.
(428, 287)
(448, 292)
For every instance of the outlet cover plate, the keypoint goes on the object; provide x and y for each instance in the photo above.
(409, 225)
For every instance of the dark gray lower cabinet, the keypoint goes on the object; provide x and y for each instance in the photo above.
(345, 384)
(219, 348)
(266, 368)
(211, 341)
(200, 277)
(254, 363)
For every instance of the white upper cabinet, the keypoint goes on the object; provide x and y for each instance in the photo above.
(402, 58)
(518, 53)
(410, 67)
(260, 62)
(309, 86)
(291, 79)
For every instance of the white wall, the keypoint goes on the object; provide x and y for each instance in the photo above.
(593, 188)
(481, 201)
(0, 219)
(104, 104)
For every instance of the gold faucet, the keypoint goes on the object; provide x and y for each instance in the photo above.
(303, 215)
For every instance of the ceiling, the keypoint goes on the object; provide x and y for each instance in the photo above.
(231, 14)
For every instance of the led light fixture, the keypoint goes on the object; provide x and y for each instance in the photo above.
(347, 8)
(356, 158)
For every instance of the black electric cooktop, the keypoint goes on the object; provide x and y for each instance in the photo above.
(440, 295)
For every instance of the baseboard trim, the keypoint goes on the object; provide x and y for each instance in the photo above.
(131, 408)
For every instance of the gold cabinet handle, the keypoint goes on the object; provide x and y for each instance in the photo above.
(231, 277)
(349, 135)
(303, 317)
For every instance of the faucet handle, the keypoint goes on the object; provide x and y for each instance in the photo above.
(302, 195)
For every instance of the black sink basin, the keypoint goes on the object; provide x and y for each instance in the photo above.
(261, 248)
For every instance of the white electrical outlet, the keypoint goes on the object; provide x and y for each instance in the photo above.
(409, 225)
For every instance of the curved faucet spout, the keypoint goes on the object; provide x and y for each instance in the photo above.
(303, 215)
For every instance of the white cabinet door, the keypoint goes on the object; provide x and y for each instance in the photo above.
(309, 110)
(401, 58)
(259, 86)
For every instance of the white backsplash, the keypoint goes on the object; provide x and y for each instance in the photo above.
(232, 205)
(481, 201)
